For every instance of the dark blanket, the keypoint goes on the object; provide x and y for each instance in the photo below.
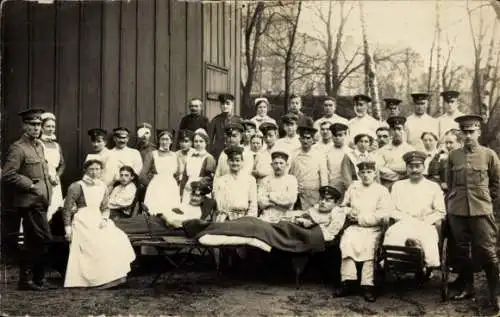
(284, 236)
(146, 225)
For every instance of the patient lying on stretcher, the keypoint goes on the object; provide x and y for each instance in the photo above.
(326, 214)
(170, 221)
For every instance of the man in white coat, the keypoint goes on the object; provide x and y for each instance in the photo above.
(421, 219)
(122, 154)
(277, 193)
(390, 157)
(367, 205)
(420, 122)
(329, 115)
(363, 122)
(447, 121)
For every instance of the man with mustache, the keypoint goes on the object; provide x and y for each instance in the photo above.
(123, 155)
(419, 220)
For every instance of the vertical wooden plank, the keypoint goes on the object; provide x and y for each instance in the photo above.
(68, 20)
(90, 68)
(206, 33)
(178, 66)
(229, 27)
(221, 20)
(128, 64)
(15, 77)
(43, 52)
(237, 70)
(194, 49)
(162, 64)
(111, 65)
(145, 61)
(214, 38)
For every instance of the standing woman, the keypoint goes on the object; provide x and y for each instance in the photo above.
(55, 161)
(162, 192)
(100, 253)
(199, 164)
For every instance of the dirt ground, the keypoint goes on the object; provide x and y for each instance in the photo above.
(204, 292)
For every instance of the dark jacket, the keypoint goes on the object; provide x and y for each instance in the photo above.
(473, 177)
(25, 166)
(216, 132)
(194, 122)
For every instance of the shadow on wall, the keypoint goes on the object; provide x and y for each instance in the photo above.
(311, 105)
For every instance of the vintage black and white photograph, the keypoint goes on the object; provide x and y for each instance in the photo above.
(250, 158)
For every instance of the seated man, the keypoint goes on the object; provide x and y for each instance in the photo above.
(277, 193)
(420, 208)
(326, 214)
(368, 204)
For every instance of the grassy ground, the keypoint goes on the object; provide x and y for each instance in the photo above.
(203, 292)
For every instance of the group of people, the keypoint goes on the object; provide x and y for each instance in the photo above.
(347, 176)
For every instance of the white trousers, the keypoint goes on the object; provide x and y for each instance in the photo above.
(349, 273)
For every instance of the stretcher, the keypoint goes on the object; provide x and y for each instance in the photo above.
(176, 248)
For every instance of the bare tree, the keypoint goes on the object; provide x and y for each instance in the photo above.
(484, 86)
(439, 57)
(282, 39)
(371, 84)
(452, 74)
(256, 21)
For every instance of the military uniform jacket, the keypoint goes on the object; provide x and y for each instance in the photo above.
(473, 181)
(25, 166)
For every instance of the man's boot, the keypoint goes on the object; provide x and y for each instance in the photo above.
(491, 271)
(25, 283)
(369, 293)
(346, 288)
(467, 290)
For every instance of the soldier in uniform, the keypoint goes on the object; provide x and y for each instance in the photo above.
(392, 106)
(26, 171)
(473, 176)
(219, 124)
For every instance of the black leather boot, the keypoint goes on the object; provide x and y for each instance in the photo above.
(467, 289)
(369, 294)
(491, 271)
(346, 288)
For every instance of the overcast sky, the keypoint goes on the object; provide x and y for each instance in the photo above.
(409, 23)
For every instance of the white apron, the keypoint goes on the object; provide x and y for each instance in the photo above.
(359, 243)
(98, 255)
(193, 170)
(162, 193)
(53, 157)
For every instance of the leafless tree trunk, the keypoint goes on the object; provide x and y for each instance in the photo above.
(431, 59)
(439, 74)
(371, 85)
(255, 25)
(292, 32)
